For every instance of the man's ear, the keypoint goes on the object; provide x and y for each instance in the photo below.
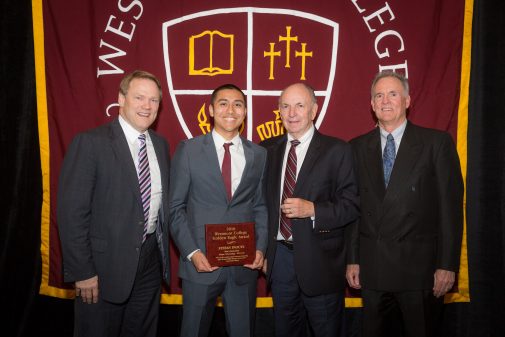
(314, 111)
(211, 110)
(121, 99)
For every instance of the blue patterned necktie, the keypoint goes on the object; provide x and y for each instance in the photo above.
(144, 176)
(388, 158)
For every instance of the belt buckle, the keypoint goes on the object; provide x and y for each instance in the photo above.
(287, 244)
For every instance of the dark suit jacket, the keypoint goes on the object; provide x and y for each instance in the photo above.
(198, 197)
(100, 216)
(327, 178)
(415, 226)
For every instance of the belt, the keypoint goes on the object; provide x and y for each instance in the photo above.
(287, 244)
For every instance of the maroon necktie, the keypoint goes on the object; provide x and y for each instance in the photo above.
(289, 187)
(226, 169)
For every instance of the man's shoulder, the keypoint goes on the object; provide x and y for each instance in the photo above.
(365, 137)
(427, 132)
(255, 147)
(100, 132)
(270, 142)
(329, 140)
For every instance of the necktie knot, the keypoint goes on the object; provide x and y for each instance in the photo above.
(295, 142)
(142, 138)
(227, 146)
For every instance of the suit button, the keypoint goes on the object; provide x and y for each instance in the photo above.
(141, 223)
(369, 213)
(137, 249)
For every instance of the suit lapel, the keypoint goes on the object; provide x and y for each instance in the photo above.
(275, 160)
(162, 159)
(214, 170)
(407, 157)
(313, 153)
(122, 150)
(249, 164)
(373, 162)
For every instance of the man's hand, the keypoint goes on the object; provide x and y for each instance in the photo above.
(297, 208)
(87, 290)
(264, 268)
(352, 275)
(444, 280)
(201, 263)
(258, 261)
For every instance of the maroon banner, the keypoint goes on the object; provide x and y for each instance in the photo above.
(261, 46)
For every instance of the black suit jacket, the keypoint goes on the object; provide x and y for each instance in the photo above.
(414, 227)
(327, 178)
(100, 215)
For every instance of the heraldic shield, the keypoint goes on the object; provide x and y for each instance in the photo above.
(261, 50)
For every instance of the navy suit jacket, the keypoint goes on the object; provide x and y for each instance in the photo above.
(327, 178)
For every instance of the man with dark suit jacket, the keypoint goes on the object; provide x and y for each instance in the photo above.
(405, 248)
(112, 217)
(312, 196)
(206, 190)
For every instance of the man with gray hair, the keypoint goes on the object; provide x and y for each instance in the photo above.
(404, 250)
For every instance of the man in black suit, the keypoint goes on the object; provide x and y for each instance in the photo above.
(405, 249)
(112, 217)
(311, 196)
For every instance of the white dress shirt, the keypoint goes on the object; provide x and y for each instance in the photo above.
(236, 154)
(132, 136)
(301, 152)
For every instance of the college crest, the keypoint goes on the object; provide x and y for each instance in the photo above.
(230, 45)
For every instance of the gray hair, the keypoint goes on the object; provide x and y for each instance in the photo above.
(388, 73)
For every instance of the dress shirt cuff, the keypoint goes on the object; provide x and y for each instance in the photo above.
(190, 255)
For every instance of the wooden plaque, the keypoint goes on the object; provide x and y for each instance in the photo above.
(231, 244)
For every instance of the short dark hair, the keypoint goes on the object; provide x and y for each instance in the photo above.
(125, 82)
(389, 73)
(227, 86)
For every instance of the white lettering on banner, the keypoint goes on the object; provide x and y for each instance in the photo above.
(118, 29)
(386, 50)
(105, 58)
(382, 15)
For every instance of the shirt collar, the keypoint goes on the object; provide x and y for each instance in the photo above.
(130, 132)
(307, 136)
(219, 140)
(397, 133)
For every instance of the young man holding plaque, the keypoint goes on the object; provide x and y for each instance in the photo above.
(218, 182)
(312, 195)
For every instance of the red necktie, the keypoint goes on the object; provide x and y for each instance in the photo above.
(289, 187)
(226, 169)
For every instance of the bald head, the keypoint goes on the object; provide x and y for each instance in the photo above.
(298, 108)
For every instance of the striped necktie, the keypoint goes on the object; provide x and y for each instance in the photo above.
(289, 187)
(144, 176)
